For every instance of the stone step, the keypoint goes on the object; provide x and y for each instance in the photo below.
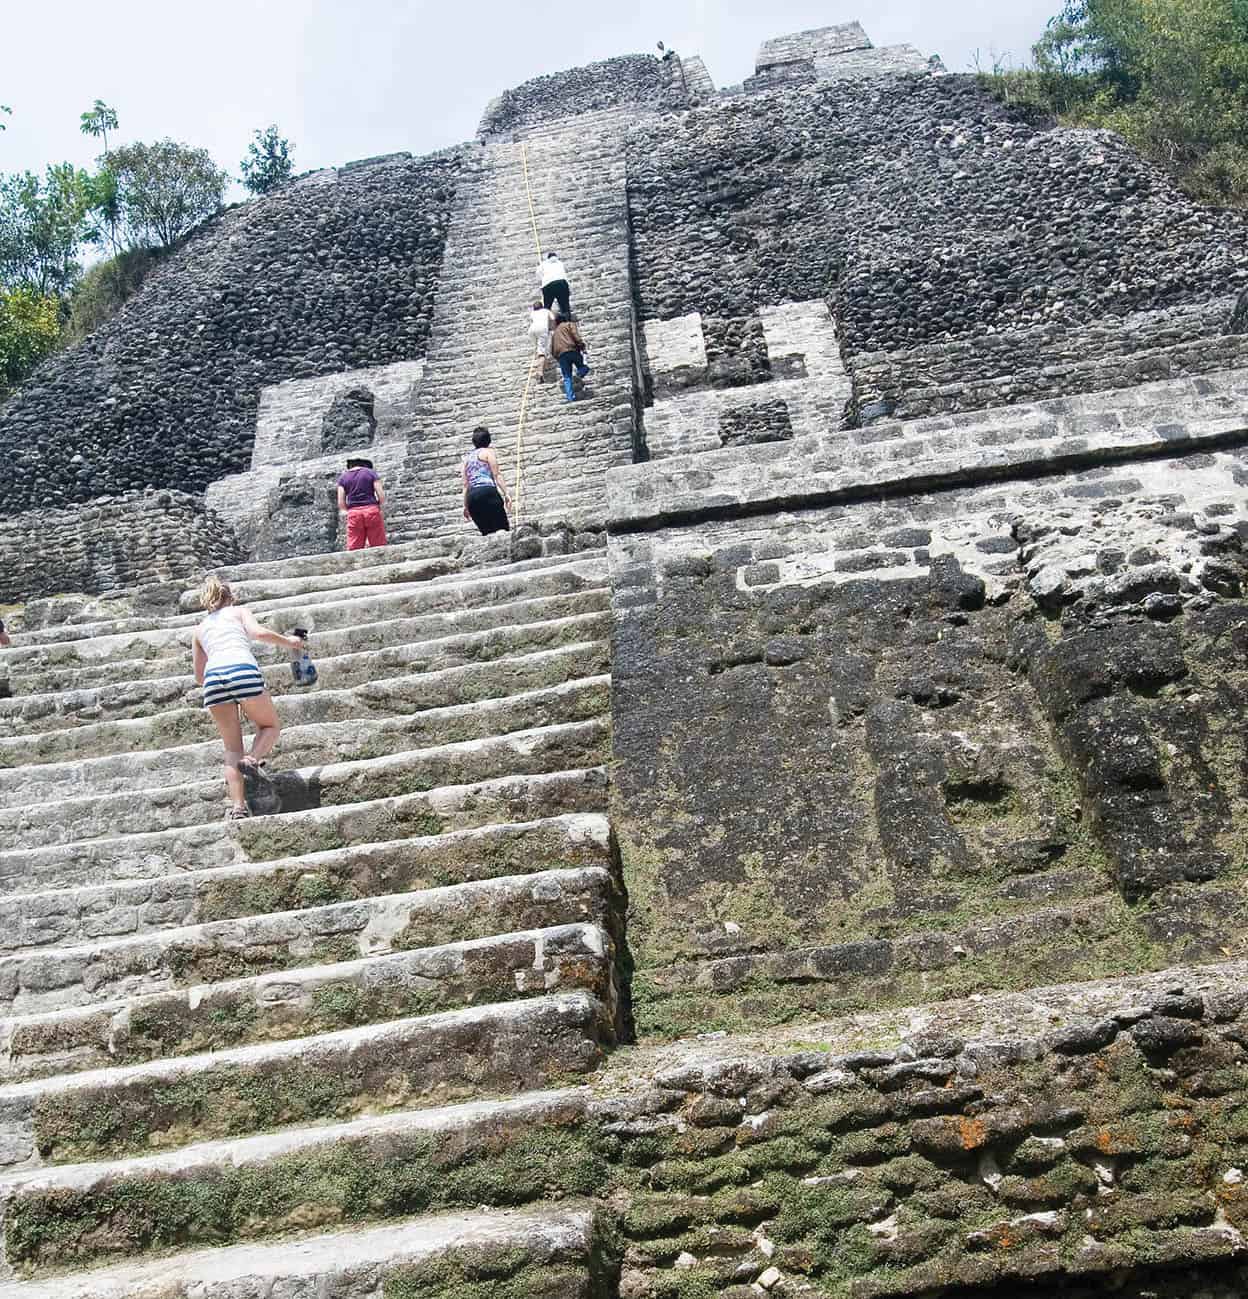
(27, 714)
(545, 575)
(276, 585)
(352, 738)
(551, 1251)
(368, 1170)
(500, 800)
(168, 655)
(145, 811)
(314, 999)
(405, 1064)
(390, 697)
(473, 254)
(56, 978)
(89, 911)
(264, 590)
(339, 561)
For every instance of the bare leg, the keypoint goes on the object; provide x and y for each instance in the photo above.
(230, 728)
(263, 716)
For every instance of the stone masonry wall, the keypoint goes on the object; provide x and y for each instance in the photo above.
(1046, 360)
(822, 42)
(133, 540)
(333, 272)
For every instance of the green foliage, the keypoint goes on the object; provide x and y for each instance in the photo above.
(268, 163)
(105, 198)
(164, 189)
(43, 223)
(6, 110)
(30, 328)
(99, 120)
(105, 288)
(1171, 76)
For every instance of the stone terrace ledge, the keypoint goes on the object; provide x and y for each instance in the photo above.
(1169, 418)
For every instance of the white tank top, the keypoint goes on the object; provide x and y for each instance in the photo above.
(225, 642)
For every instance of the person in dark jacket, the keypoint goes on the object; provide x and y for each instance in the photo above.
(568, 348)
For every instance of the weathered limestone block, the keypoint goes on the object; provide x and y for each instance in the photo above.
(821, 42)
(291, 424)
(675, 353)
(792, 348)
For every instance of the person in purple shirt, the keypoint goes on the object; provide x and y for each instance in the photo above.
(361, 497)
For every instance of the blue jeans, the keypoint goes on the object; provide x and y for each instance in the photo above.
(569, 359)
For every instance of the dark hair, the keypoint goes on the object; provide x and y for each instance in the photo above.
(480, 437)
(358, 462)
(538, 305)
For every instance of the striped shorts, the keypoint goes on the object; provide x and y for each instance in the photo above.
(232, 684)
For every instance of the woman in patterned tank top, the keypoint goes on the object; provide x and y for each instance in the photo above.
(486, 499)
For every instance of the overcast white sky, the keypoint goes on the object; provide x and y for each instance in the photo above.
(346, 79)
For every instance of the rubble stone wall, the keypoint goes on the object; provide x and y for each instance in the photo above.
(637, 80)
(139, 539)
(333, 272)
(937, 223)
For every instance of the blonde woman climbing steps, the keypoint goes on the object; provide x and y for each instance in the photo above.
(234, 685)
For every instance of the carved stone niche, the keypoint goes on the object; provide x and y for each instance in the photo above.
(736, 351)
(301, 519)
(350, 423)
(762, 421)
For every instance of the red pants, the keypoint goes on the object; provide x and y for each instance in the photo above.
(365, 527)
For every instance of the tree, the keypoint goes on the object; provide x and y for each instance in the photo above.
(6, 110)
(30, 328)
(164, 189)
(98, 120)
(1171, 76)
(268, 163)
(105, 200)
(43, 223)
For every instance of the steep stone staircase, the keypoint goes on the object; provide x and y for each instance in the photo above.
(480, 352)
(333, 1017)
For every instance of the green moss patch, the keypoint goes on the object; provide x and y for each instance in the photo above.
(350, 1182)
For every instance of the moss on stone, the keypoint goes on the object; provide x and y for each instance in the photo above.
(346, 1182)
(500, 1273)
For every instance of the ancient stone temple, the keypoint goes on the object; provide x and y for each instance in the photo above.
(806, 857)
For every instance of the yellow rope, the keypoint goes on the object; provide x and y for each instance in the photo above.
(524, 158)
(528, 383)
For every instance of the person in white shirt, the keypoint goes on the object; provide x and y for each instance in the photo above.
(227, 669)
(555, 285)
(541, 322)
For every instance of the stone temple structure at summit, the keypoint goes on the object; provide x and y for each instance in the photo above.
(807, 857)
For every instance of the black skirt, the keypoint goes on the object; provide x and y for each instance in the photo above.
(485, 507)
